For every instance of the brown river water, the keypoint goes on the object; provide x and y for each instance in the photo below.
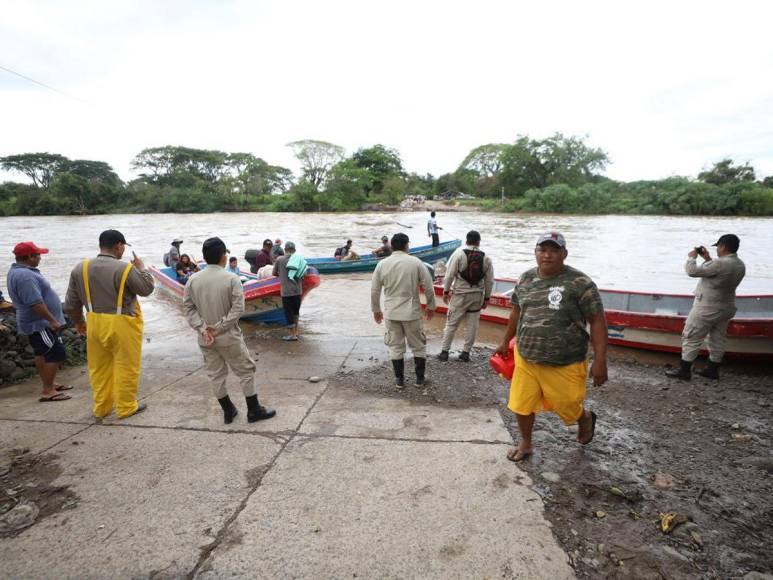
(643, 253)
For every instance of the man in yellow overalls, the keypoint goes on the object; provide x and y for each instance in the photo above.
(108, 289)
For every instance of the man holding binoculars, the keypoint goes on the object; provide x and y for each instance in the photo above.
(714, 305)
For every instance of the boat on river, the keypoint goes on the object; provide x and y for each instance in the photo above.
(262, 301)
(654, 321)
(368, 262)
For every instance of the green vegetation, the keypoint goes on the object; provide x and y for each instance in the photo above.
(557, 175)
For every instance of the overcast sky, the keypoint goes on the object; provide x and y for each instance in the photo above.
(664, 87)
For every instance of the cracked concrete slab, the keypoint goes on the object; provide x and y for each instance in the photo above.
(148, 501)
(350, 413)
(190, 404)
(20, 401)
(337, 508)
(34, 436)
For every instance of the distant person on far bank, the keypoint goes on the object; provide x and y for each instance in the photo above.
(552, 305)
(39, 316)
(213, 302)
(276, 250)
(433, 230)
(399, 277)
(467, 288)
(173, 255)
(108, 288)
(290, 269)
(713, 308)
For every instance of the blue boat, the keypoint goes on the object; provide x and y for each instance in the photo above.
(368, 262)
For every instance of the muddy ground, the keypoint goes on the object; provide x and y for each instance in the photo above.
(27, 495)
(701, 450)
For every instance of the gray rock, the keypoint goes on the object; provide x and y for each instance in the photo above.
(21, 516)
(550, 476)
(758, 576)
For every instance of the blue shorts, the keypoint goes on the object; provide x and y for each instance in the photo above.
(49, 345)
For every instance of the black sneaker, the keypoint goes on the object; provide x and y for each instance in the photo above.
(443, 356)
(464, 356)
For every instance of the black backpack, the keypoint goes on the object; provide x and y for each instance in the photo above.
(474, 272)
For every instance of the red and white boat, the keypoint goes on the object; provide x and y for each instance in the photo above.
(655, 321)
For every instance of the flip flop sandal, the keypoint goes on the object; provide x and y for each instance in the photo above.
(513, 452)
(290, 338)
(54, 398)
(592, 428)
(61, 388)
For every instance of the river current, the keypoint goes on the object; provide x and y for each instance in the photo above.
(644, 253)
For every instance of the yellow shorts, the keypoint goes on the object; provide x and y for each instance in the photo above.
(537, 388)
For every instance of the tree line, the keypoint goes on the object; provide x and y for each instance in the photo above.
(555, 174)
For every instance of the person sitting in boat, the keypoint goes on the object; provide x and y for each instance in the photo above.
(384, 250)
(233, 266)
(173, 255)
(190, 266)
(276, 250)
(181, 273)
(345, 253)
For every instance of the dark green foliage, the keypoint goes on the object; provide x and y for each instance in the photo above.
(556, 175)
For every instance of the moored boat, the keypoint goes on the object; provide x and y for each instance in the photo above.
(654, 321)
(368, 262)
(262, 301)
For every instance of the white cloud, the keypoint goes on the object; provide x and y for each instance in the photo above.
(666, 88)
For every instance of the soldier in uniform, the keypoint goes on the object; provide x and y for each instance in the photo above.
(713, 308)
(213, 302)
(400, 276)
(552, 305)
(471, 275)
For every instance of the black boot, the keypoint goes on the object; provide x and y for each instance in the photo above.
(443, 355)
(256, 411)
(421, 365)
(682, 373)
(464, 356)
(229, 409)
(710, 372)
(398, 365)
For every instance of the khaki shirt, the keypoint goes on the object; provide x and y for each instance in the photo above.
(105, 272)
(399, 276)
(214, 297)
(719, 279)
(458, 263)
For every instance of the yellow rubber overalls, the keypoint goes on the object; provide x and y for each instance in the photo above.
(114, 351)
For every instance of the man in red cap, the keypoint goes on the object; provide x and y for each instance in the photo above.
(39, 316)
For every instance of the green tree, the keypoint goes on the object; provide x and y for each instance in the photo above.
(381, 162)
(167, 165)
(725, 172)
(39, 167)
(317, 158)
(530, 163)
(346, 187)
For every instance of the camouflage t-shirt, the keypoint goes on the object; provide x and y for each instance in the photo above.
(554, 312)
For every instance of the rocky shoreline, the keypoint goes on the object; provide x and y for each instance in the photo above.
(17, 359)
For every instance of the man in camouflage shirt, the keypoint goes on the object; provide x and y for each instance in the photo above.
(552, 305)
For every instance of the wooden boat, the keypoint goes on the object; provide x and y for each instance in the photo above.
(655, 321)
(262, 302)
(368, 262)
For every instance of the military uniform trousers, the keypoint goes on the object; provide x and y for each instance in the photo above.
(706, 321)
(398, 332)
(229, 351)
(465, 307)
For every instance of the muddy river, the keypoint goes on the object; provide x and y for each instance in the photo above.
(625, 252)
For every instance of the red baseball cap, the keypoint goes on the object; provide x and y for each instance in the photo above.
(27, 248)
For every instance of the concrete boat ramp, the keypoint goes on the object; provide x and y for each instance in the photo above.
(340, 484)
